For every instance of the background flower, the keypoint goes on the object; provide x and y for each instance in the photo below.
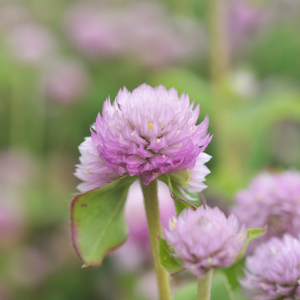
(271, 200)
(273, 270)
(205, 239)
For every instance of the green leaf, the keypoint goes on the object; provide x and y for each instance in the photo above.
(166, 256)
(97, 220)
(252, 234)
(220, 289)
(180, 178)
(237, 293)
(175, 191)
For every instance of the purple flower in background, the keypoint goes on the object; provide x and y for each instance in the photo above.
(244, 17)
(273, 271)
(205, 239)
(156, 39)
(143, 31)
(65, 81)
(12, 217)
(30, 43)
(17, 168)
(272, 200)
(94, 31)
(146, 133)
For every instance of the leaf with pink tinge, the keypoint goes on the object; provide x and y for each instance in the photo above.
(98, 222)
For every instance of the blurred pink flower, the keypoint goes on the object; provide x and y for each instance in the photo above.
(94, 31)
(30, 43)
(156, 39)
(272, 200)
(142, 31)
(17, 168)
(244, 17)
(11, 219)
(65, 81)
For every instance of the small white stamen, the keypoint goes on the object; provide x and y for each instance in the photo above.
(158, 141)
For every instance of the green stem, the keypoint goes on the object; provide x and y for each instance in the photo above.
(204, 286)
(154, 227)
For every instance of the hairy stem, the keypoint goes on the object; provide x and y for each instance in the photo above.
(154, 227)
(204, 286)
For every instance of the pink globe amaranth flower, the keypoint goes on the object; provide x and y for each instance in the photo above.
(273, 271)
(205, 239)
(146, 133)
(272, 200)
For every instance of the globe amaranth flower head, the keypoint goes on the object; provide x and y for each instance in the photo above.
(146, 133)
(273, 271)
(205, 239)
(272, 200)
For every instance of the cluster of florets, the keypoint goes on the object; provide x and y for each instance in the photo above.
(205, 239)
(146, 133)
(273, 271)
(272, 200)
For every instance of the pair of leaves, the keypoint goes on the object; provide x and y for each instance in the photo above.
(97, 220)
(173, 264)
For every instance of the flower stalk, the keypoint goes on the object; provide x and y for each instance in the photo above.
(154, 227)
(204, 286)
